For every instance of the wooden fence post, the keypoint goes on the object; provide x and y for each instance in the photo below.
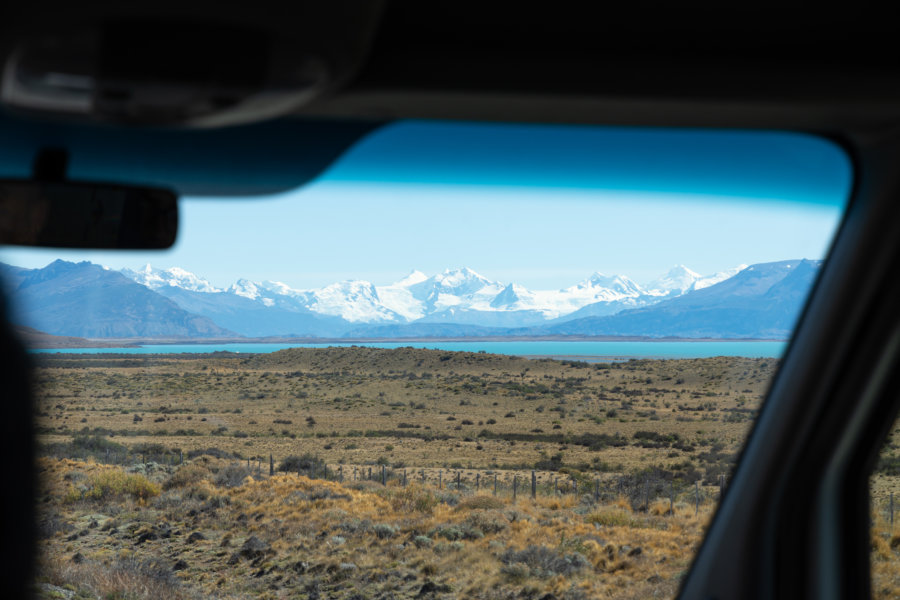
(596, 490)
(672, 499)
(533, 486)
(697, 490)
(495, 484)
(458, 474)
(271, 465)
(440, 479)
(477, 482)
(383, 475)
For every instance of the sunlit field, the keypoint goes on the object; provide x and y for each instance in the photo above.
(371, 473)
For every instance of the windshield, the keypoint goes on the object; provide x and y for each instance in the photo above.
(469, 360)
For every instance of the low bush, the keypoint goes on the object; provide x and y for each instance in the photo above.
(233, 475)
(306, 464)
(542, 561)
(480, 503)
(214, 452)
(487, 521)
(611, 518)
(125, 578)
(414, 498)
(453, 533)
(384, 531)
(83, 445)
(186, 475)
(114, 484)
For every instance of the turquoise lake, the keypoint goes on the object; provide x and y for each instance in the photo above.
(582, 350)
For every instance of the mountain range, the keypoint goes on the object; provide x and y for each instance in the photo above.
(92, 301)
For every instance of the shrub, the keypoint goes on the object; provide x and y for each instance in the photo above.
(515, 571)
(307, 464)
(107, 485)
(355, 526)
(96, 443)
(233, 475)
(457, 532)
(214, 452)
(611, 518)
(81, 445)
(488, 521)
(414, 498)
(125, 578)
(213, 502)
(545, 562)
(384, 531)
(150, 448)
(186, 475)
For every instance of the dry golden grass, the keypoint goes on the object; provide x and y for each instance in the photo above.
(426, 414)
(428, 408)
(347, 538)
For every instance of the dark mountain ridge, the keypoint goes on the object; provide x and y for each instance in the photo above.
(86, 300)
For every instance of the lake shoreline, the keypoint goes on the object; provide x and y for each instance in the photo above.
(581, 350)
(139, 341)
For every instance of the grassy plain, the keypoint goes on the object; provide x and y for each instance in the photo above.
(634, 437)
(415, 407)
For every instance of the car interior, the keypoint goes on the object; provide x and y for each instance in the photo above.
(215, 99)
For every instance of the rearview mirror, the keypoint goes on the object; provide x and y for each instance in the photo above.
(86, 215)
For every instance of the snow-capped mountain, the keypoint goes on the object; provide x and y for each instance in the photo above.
(399, 297)
(455, 296)
(760, 301)
(175, 277)
(455, 288)
(680, 280)
(87, 300)
(677, 280)
(354, 301)
(705, 282)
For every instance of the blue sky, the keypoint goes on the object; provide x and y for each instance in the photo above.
(539, 205)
